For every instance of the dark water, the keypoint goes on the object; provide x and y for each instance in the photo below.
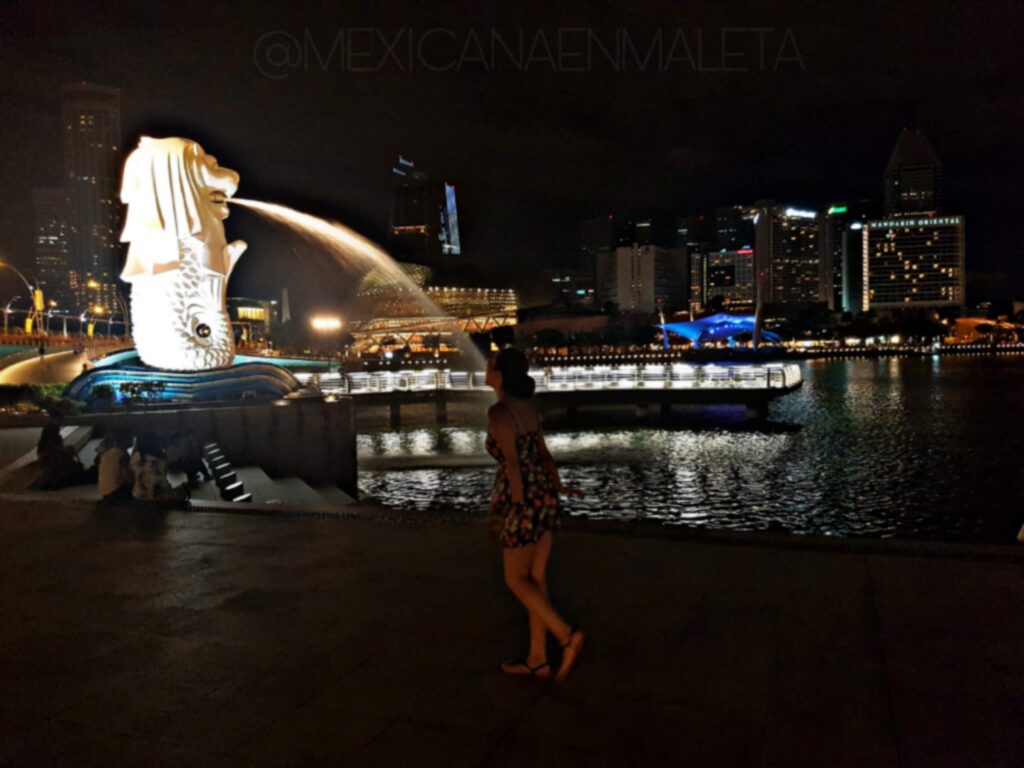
(909, 447)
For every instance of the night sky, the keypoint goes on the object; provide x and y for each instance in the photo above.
(534, 152)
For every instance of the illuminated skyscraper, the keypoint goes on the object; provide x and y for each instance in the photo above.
(914, 257)
(730, 274)
(786, 254)
(52, 246)
(424, 220)
(693, 235)
(91, 123)
(913, 177)
(911, 262)
(839, 238)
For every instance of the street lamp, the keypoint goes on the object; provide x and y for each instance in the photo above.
(34, 293)
(7, 311)
(327, 325)
(85, 319)
(101, 311)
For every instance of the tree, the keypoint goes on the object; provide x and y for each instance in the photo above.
(549, 337)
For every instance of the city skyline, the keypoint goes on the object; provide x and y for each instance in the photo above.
(561, 151)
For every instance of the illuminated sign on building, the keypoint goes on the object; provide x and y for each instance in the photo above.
(450, 223)
(913, 262)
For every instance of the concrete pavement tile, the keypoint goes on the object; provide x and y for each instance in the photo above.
(314, 736)
(966, 718)
(560, 728)
(143, 708)
(40, 741)
(410, 743)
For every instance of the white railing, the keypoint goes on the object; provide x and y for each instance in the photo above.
(570, 378)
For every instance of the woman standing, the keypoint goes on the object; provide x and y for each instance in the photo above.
(525, 511)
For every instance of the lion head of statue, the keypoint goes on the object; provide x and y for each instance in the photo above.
(174, 191)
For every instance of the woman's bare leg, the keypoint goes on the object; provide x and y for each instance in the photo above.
(517, 576)
(538, 572)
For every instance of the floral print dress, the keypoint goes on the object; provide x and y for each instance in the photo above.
(518, 525)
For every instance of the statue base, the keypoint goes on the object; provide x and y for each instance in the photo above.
(131, 381)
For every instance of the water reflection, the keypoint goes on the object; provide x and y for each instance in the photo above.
(920, 447)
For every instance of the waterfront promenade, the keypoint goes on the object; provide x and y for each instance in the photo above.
(211, 639)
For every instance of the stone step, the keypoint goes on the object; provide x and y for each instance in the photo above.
(87, 453)
(285, 490)
(333, 496)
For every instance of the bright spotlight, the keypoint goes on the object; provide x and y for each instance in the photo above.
(325, 323)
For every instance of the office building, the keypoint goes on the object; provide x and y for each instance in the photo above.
(639, 278)
(52, 211)
(91, 125)
(693, 236)
(839, 238)
(570, 287)
(635, 232)
(253, 318)
(913, 176)
(693, 232)
(425, 221)
(913, 262)
(730, 275)
(734, 227)
(786, 254)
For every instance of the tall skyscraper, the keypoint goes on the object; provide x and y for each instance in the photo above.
(424, 220)
(694, 235)
(913, 176)
(913, 257)
(91, 122)
(839, 238)
(52, 243)
(913, 262)
(786, 254)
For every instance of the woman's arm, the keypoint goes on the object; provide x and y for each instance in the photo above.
(504, 432)
(549, 462)
(552, 468)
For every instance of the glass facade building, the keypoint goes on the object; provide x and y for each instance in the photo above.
(52, 243)
(91, 124)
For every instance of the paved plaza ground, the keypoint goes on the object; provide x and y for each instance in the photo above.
(148, 638)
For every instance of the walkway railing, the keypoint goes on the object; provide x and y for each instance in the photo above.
(574, 378)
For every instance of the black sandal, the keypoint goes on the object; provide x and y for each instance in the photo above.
(510, 668)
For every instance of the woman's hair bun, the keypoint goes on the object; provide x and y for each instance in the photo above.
(515, 373)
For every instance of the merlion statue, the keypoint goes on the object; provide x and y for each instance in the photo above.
(178, 258)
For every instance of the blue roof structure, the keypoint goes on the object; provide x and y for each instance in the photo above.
(720, 327)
